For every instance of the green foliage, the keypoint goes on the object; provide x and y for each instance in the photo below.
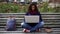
(57, 9)
(16, 8)
(9, 8)
(44, 7)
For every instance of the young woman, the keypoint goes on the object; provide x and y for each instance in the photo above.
(33, 27)
(11, 24)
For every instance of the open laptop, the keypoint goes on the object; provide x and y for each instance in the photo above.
(32, 19)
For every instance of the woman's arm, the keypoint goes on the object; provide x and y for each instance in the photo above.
(24, 19)
(40, 17)
(41, 20)
(27, 13)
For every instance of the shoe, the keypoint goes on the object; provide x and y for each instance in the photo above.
(48, 29)
(38, 30)
(26, 30)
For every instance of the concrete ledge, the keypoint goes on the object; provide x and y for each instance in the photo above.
(25, 13)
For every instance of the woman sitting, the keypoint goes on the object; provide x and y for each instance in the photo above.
(33, 27)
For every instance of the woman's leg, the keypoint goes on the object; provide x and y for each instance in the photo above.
(26, 26)
(39, 25)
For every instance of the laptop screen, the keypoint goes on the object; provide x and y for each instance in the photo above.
(32, 19)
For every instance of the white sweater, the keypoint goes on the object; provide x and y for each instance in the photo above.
(34, 0)
(22, 0)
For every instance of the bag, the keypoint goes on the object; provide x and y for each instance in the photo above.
(11, 25)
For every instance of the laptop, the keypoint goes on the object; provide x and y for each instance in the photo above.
(32, 19)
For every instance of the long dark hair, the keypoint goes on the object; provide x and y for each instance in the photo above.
(36, 11)
(30, 8)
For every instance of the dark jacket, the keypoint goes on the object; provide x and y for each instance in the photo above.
(33, 24)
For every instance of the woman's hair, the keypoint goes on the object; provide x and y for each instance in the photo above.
(30, 7)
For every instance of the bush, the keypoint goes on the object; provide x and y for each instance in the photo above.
(44, 7)
(16, 8)
(9, 7)
(57, 9)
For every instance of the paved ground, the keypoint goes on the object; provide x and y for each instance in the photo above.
(27, 33)
(19, 31)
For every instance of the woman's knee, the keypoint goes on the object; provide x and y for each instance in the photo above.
(23, 23)
(41, 23)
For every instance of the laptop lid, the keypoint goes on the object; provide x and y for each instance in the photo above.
(32, 19)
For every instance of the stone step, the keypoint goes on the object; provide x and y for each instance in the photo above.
(22, 16)
(21, 19)
(29, 33)
(20, 29)
(25, 13)
(17, 29)
(53, 26)
(21, 32)
(45, 15)
(45, 23)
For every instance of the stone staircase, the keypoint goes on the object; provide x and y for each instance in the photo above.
(50, 19)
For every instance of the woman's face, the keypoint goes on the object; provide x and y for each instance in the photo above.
(33, 7)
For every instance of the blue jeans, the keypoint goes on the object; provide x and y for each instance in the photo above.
(38, 26)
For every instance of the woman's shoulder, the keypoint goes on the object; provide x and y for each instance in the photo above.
(27, 13)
